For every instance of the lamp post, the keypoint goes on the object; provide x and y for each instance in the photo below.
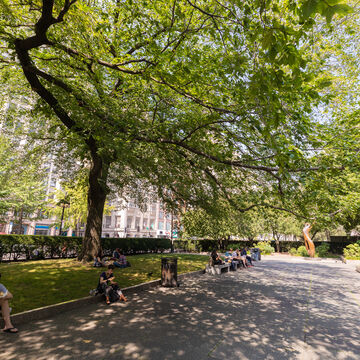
(64, 204)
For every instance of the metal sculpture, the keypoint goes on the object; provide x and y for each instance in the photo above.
(309, 244)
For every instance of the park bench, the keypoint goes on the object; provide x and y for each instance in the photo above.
(217, 269)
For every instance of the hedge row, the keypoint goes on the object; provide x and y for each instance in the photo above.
(135, 245)
(336, 246)
(26, 247)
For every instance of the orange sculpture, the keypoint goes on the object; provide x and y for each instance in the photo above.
(309, 244)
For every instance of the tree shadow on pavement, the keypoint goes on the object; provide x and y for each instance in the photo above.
(276, 310)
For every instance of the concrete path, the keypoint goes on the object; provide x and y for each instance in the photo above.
(283, 308)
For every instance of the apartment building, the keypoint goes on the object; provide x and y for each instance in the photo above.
(128, 220)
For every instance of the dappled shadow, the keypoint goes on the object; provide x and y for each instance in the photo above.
(280, 309)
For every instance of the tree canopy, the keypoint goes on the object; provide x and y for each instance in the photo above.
(195, 99)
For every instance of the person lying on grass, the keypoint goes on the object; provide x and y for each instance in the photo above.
(5, 296)
(109, 287)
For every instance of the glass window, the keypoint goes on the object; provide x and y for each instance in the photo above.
(118, 221)
(107, 221)
(161, 225)
(137, 224)
(161, 214)
(145, 224)
(152, 224)
(168, 226)
(129, 222)
(41, 232)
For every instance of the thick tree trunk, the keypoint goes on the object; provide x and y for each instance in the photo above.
(91, 245)
(20, 232)
(277, 241)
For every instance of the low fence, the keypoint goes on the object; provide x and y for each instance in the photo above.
(36, 247)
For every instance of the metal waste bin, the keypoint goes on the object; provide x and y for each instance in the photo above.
(169, 272)
(256, 254)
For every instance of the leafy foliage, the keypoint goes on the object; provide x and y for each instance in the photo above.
(323, 250)
(197, 100)
(265, 247)
(352, 251)
(301, 251)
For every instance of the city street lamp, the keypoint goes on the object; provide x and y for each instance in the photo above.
(64, 204)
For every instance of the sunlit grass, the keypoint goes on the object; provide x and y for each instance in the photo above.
(39, 283)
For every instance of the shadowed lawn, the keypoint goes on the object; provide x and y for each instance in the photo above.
(39, 283)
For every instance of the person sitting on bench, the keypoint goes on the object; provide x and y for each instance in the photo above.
(230, 259)
(247, 257)
(5, 296)
(241, 258)
(215, 258)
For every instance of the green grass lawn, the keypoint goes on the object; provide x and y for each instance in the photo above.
(39, 283)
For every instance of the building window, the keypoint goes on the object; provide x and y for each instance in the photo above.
(153, 208)
(118, 221)
(41, 232)
(161, 225)
(137, 224)
(152, 224)
(107, 221)
(145, 224)
(161, 214)
(168, 226)
(129, 222)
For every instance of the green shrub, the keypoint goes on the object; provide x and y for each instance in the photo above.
(293, 251)
(352, 251)
(23, 246)
(323, 250)
(301, 251)
(265, 247)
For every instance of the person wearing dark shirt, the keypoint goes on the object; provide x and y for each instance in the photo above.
(216, 260)
(116, 253)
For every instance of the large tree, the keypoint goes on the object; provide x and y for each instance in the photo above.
(192, 98)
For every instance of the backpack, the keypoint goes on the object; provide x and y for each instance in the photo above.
(114, 296)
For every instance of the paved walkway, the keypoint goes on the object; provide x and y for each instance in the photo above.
(283, 308)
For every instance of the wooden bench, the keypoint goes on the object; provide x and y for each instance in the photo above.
(217, 269)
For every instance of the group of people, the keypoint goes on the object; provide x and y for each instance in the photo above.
(5, 309)
(231, 256)
(118, 259)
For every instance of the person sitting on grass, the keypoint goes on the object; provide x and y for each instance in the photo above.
(109, 287)
(121, 262)
(215, 258)
(98, 262)
(5, 296)
(116, 254)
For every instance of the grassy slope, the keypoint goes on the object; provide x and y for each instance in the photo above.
(40, 283)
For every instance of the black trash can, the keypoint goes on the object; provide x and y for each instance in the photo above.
(169, 272)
